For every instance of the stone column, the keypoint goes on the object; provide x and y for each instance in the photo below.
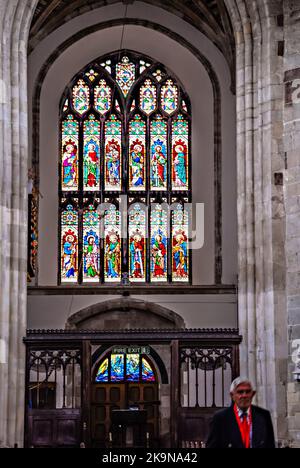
(14, 28)
(292, 200)
(261, 216)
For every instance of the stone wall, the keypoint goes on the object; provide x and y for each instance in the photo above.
(14, 27)
(261, 218)
(292, 202)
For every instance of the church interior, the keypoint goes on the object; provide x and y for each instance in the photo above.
(149, 217)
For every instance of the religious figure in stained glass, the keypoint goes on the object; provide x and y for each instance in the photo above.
(113, 160)
(180, 267)
(69, 166)
(112, 253)
(137, 154)
(159, 244)
(91, 245)
(91, 175)
(179, 164)
(180, 260)
(69, 255)
(91, 251)
(113, 165)
(69, 245)
(159, 165)
(69, 160)
(112, 245)
(159, 257)
(180, 145)
(91, 154)
(137, 243)
(137, 256)
(158, 154)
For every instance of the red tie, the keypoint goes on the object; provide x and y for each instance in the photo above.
(244, 426)
(245, 431)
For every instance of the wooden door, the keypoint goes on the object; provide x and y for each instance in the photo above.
(108, 397)
(145, 397)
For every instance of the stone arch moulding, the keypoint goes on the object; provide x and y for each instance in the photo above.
(125, 313)
(217, 111)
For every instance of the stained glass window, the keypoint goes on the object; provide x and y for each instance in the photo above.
(113, 154)
(180, 151)
(158, 154)
(66, 105)
(91, 245)
(180, 236)
(137, 243)
(133, 367)
(81, 97)
(137, 154)
(91, 154)
(117, 367)
(69, 160)
(169, 97)
(107, 65)
(125, 130)
(117, 106)
(120, 368)
(102, 374)
(125, 71)
(158, 74)
(113, 247)
(144, 65)
(148, 97)
(147, 372)
(92, 75)
(69, 244)
(159, 244)
(102, 97)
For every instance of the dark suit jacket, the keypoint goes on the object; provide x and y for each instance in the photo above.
(225, 432)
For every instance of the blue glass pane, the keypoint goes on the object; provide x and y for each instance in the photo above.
(117, 367)
(133, 367)
(148, 374)
(102, 375)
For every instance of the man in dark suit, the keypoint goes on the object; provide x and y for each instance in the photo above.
(243, 425)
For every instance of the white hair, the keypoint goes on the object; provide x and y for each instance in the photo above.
(238, 381)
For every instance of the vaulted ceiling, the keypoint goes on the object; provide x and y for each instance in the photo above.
(209, 16)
